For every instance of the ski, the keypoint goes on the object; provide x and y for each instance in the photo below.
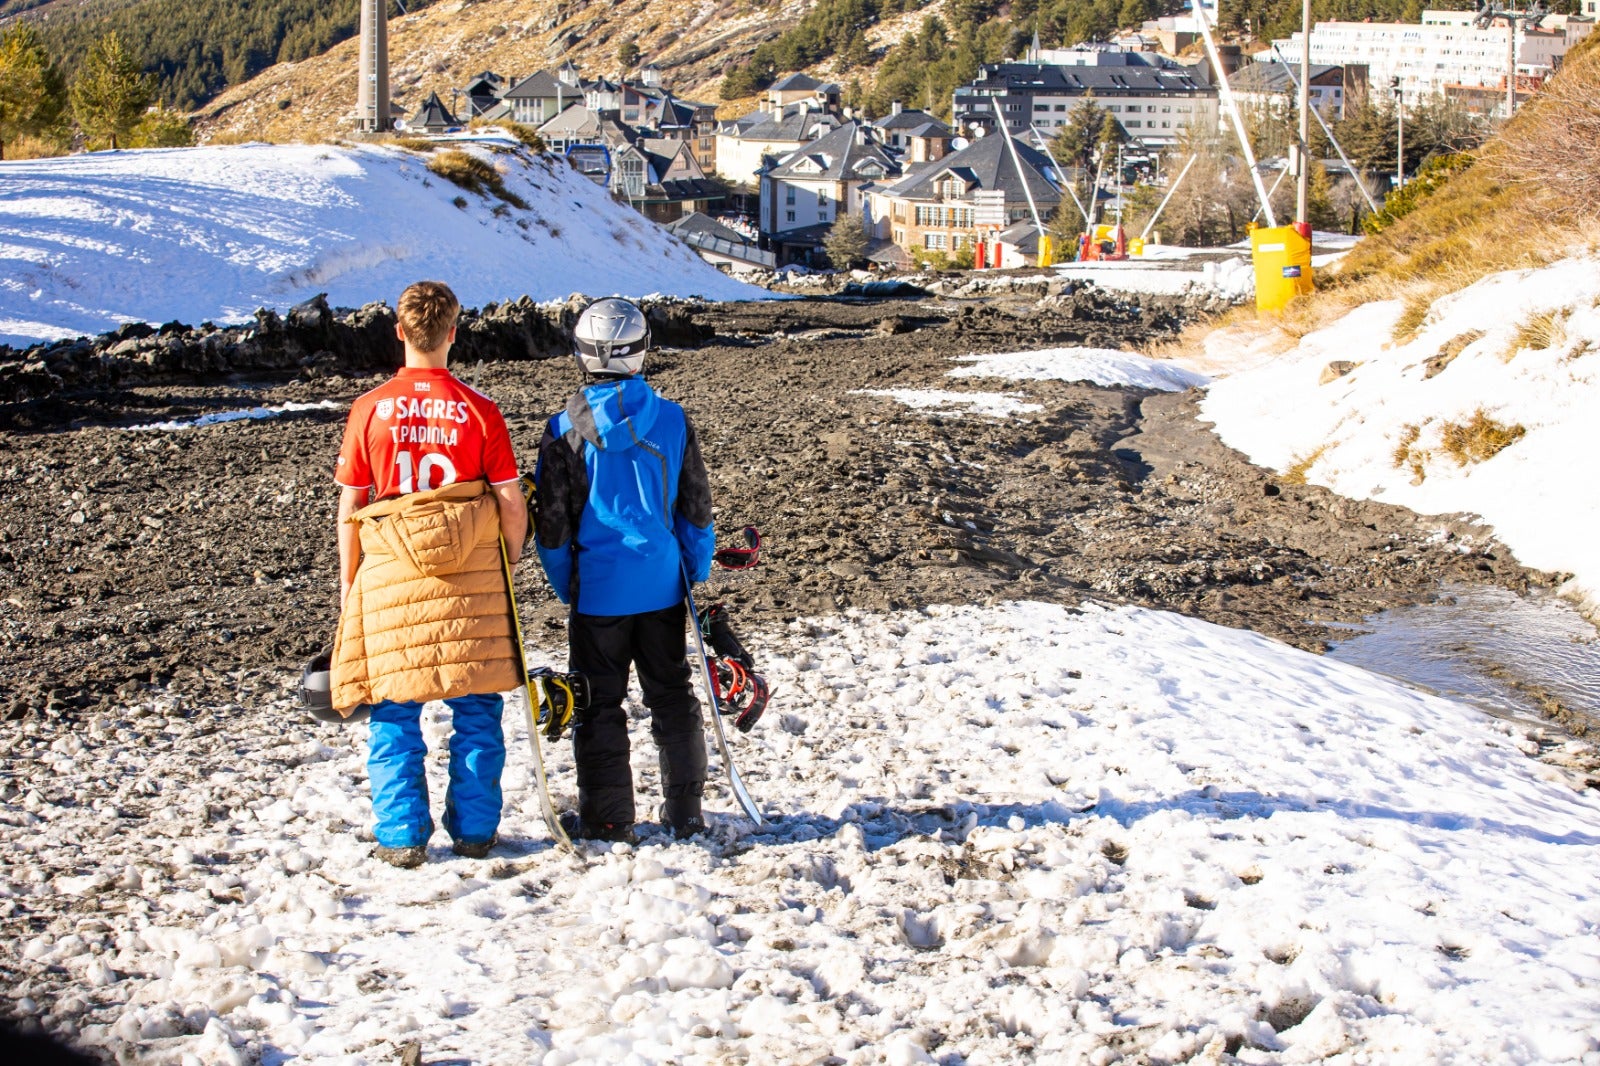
(541, 782)
(735, 782)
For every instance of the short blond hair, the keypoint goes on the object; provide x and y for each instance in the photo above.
(427, 310)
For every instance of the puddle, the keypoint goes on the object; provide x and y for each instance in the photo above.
(1488, 647)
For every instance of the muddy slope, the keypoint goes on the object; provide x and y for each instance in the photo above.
(204, 559)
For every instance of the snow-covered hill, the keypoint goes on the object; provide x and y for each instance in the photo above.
(88, 242)
(1511, 362)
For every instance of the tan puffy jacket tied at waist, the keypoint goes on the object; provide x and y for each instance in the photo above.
(427, 617)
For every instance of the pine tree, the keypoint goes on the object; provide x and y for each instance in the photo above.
(846, 242)
(32, 92)
(161, 127)
(110, 94)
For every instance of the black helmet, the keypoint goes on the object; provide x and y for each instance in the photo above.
(611, 338)
(316, 692)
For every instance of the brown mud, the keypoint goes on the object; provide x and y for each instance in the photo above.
(201, 561)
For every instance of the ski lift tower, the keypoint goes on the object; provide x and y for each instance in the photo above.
(372, 86)
(1488, 13)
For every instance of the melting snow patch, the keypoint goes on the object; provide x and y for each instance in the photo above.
(248, 414)
(988, 404)
(1100, 366)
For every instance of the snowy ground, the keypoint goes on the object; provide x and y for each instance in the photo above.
(999, 834)
(1520, 348)
(88, 242)
(1172, 270)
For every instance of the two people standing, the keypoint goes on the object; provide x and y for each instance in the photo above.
(624, 520)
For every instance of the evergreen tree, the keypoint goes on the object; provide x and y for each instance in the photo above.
(161, 127)
(846, 243)
(628, 54)
(110, 94)
(32, 91)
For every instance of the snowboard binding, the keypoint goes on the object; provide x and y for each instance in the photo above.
(741, 691)
(562, 698)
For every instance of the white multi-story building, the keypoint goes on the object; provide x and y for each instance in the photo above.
(1442, 52)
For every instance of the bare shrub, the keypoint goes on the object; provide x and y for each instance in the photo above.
(1555, 153)
(1478, 438)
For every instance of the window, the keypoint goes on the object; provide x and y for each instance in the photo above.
(933, 241)
(1061, 107)
(899, 236)
(1041, 107)
(1132, 123)
(788, 198)
(930, 216)
(822, 201)
(788, 216)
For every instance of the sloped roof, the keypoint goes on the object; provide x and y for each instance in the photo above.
(797, 82)
(1271, 77)
(432, 115)
(836, 156)
(701, 225)
(794, 124)
(986, 165)
(538, 85)
(572, 120)
(909, 119)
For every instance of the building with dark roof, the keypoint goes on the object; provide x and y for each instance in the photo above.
(945, 205)
(1152, 102)
(1275, 86)
(718, 244)
(917, 135)
(744, 142)
(432, 117)
(542, 96)
(817, 183)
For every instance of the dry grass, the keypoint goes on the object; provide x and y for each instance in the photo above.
(26, 147)
(217, 136)
(1408, 455)
(1297, 471)
(414, 144)
(521, 131)
(1547, 329)
(474, 175)
(1478, 438)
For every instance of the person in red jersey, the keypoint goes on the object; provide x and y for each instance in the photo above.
(429, 487)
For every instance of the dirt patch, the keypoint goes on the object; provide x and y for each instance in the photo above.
(203, 560)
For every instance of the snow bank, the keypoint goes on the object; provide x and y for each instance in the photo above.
(998, 834)
(1379, 430)
(88, 242)
(1231, 278)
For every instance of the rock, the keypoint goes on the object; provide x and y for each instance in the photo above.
(1336, 370)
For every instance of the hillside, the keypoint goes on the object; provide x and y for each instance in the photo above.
(443, 46)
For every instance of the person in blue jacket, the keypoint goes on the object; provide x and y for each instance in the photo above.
(624, 520)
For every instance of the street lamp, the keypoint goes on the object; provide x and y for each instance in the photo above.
(1530, 19)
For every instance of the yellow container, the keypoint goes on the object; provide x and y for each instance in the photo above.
(1282, 258)
(1046, 250)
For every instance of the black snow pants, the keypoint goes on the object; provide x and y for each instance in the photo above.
(602, 647)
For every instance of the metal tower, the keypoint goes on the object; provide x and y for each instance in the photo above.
(372, 87)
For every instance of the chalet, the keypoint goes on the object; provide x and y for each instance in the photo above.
(801, 88)
(743, 143)
(542, 96)
(661, 179)
(940, 206)
(806, 191)
(483, 93)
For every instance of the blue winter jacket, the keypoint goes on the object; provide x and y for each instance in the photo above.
(624, 503)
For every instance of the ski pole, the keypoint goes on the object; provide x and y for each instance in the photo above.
(547, 808)
(735, 782)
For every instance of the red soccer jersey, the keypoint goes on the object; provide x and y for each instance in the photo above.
(423, 429)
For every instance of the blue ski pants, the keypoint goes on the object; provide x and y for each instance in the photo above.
(399, 784)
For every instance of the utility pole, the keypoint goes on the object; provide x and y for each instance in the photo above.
(1302, 199)
(1400, 132)
(1530, 19)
